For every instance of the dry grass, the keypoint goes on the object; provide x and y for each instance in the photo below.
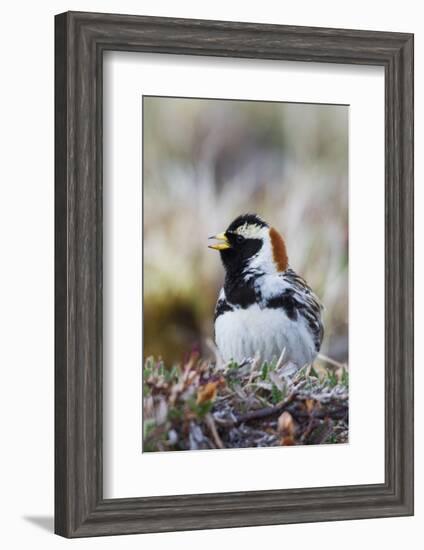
(203, 404)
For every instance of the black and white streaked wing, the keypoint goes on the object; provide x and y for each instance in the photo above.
(307, 304)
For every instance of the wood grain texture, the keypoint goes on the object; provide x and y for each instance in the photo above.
(81, 39)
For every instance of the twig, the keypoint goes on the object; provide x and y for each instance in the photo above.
(212, 427)
(280, 360)
(330, 361)
(336, 411)
(253, 368)
(258, 414)
(219, 363)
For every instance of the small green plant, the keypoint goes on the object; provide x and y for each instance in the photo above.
(344, 378)
(264, 371)
(332, 379)
(276, 395)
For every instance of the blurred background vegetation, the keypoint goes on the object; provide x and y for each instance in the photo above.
(207, 161)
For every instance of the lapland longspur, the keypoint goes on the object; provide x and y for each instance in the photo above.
(264, 307)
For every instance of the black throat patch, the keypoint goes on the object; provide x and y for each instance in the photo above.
(239, 291)
(236, 258)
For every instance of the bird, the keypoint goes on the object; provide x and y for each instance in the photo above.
(264, 309)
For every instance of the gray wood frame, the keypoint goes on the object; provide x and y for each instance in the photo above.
(80, 40)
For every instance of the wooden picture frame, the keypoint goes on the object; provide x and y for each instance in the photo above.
(80, 40)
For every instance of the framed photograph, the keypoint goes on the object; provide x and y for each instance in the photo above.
(234, 274)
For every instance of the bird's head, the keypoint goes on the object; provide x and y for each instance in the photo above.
(250, 243)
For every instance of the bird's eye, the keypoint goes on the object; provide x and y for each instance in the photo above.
(239, 239)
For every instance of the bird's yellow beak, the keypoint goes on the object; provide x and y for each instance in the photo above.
(223, 243)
